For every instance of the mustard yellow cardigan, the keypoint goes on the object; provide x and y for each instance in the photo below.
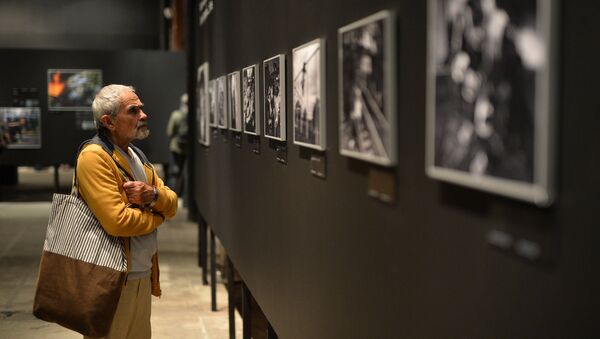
(101, 186)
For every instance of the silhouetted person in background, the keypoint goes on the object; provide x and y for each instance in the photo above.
(177, 129)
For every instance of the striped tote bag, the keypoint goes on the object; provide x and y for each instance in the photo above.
(82, 270)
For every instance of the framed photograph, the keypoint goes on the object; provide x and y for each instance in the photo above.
(367, 75)
(24, 126)
(222, 117)
(274, 97)
(490, 91)
(73, 89)
(234, 101)
(202, 108)
(212, 103)
(251, 103)
(308, 66)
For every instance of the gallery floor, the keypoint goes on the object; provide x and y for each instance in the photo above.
(182, 312)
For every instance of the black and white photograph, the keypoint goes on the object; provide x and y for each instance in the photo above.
(234, 99)
(212, 103)
(488, 90)
(202, 108)
(222, 118)
(274, 97)
(367, 125)
(24, 126)
(251, 103)
(73, 89)
(308, 66)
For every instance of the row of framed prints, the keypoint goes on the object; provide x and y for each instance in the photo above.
(367, 104)
(234, 101)
(489, 110)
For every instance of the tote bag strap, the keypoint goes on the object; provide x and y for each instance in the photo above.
(108, 147)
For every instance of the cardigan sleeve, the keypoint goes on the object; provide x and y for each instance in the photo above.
(101, 187)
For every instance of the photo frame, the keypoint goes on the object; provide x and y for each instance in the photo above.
(490, 97)
(23, 125)
(251, 99)
(234, 101)
(274, 100)
(212, 103)
(73, 89)
(221, 102)
(308, 98)
(202, 105)
(367, 92)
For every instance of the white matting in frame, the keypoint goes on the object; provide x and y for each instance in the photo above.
(489, 96)
(23, 125)
(221, 98)
(308, 104)
(367, 99)
(234, 101)
(212, 103)
(274, 97)
(251, 101)
(203, 107)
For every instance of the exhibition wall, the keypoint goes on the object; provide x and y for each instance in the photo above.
(364, 249)
(158, 77)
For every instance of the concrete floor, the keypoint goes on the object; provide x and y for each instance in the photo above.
(182, 312)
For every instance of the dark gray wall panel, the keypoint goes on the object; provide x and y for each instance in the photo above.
(80, 24)
(158, 76)
(324, 260)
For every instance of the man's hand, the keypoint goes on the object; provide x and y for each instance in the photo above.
(139, 193)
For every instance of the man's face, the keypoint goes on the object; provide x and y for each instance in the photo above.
(131, 121)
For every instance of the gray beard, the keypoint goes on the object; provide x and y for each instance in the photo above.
(142, 134)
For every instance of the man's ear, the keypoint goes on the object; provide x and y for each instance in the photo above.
(107, 122)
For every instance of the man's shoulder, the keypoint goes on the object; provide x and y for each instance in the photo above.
(95, 150)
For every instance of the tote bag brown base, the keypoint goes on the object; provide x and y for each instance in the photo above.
(67, 301)
(82, 270)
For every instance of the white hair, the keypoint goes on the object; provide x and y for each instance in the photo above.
(107, 102)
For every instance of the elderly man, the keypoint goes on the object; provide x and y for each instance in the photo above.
(123, 190)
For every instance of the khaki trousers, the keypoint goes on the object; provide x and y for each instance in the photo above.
(132, 319)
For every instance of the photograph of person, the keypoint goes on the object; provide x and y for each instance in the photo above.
(73, 89)
(234, 101)
(222, 119)
(367, 98)
(486, 60)
(308, 95)
(251, 104)
(274, 97)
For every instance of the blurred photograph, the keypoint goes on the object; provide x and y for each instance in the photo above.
(23, 127)
(221, 99)
(367, 110)
(486, 57)
(73, 89)
(274, 97)
(202, 109)
(251, 105)
(234, 101)
(212, 103)
(308, 82)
